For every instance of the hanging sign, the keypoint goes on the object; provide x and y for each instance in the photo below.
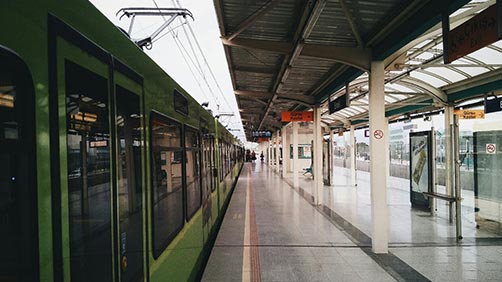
(491, 148)
(297, 116)
(493, 105)
(470, 114)
(474, 34)
(339, 103)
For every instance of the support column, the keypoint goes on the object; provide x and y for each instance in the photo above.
(387, 148)
(317, 155)
(449, 172)
(330, 157)
(353, 161)
(277, 151)
(285, 155)
(271, 152)
(296, 182)
(378, 175)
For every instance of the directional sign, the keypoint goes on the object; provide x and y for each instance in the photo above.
(470, 114)
(297, 116)
(491, 148)
(474, 34)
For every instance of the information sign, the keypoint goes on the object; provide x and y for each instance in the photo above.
(297, 116)
(339, 103)
(474, 34)
(470, 114)
(493, 105)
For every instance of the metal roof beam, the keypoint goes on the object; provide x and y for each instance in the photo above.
(249, 21)
(260, 45)
(303, 31)
(352, 24)
(253, 94)
(437, 94)
(253, 99)
(299, 98)
(262, 70)
(356, 57)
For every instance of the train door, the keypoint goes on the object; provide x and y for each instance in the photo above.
(18, 189)
(129, 152)
(86, 168)
(100, 165)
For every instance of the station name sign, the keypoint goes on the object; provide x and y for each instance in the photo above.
(474, 34)
(297, 116)
(339, 103)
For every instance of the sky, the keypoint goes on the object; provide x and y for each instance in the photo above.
(181, 58)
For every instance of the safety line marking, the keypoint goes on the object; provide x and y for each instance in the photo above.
(251, 269)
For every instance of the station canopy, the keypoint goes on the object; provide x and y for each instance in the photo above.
(287, 55)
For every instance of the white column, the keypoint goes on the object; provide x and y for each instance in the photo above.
(449, 172)
(387, 148)
(378, 175)
(296, 182)
(285, 147)
(317, 155)
(277, 151)
(270, 152)
(353, 159)
(330, 157)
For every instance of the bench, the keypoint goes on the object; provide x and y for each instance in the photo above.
(440, 196)
(307, 170)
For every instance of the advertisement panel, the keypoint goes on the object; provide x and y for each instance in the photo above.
(420, 168)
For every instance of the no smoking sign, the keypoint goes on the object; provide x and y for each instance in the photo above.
(491, 148)
(378, 134)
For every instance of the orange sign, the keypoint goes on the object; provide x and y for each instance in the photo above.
(472, 35)
(297, 116)
(470, 114)
(263, 139)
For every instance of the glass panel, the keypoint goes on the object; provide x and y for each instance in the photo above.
(193, 172)
(129, 185)
(18, 239)
(88, 141)
(167, 194)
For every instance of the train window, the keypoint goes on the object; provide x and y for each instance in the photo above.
(180, 103)
(18, 188)
(193, 167)
(167, 194)
(129, 184)
(89, 181)
(207, 166)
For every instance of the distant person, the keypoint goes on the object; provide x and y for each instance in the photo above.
(248, 156)
(262, 157)
(253, 156)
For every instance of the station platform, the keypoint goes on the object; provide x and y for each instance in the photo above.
(272, 231)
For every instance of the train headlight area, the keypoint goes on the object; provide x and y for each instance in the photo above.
(113, 172)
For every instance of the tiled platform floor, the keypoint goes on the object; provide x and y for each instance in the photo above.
(295, 241)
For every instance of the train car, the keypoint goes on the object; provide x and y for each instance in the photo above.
(110, 170)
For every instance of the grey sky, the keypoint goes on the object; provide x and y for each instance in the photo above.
(169, 53)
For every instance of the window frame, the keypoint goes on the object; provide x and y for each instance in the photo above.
(165, 242)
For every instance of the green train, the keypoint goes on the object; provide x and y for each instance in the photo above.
(110, 171)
